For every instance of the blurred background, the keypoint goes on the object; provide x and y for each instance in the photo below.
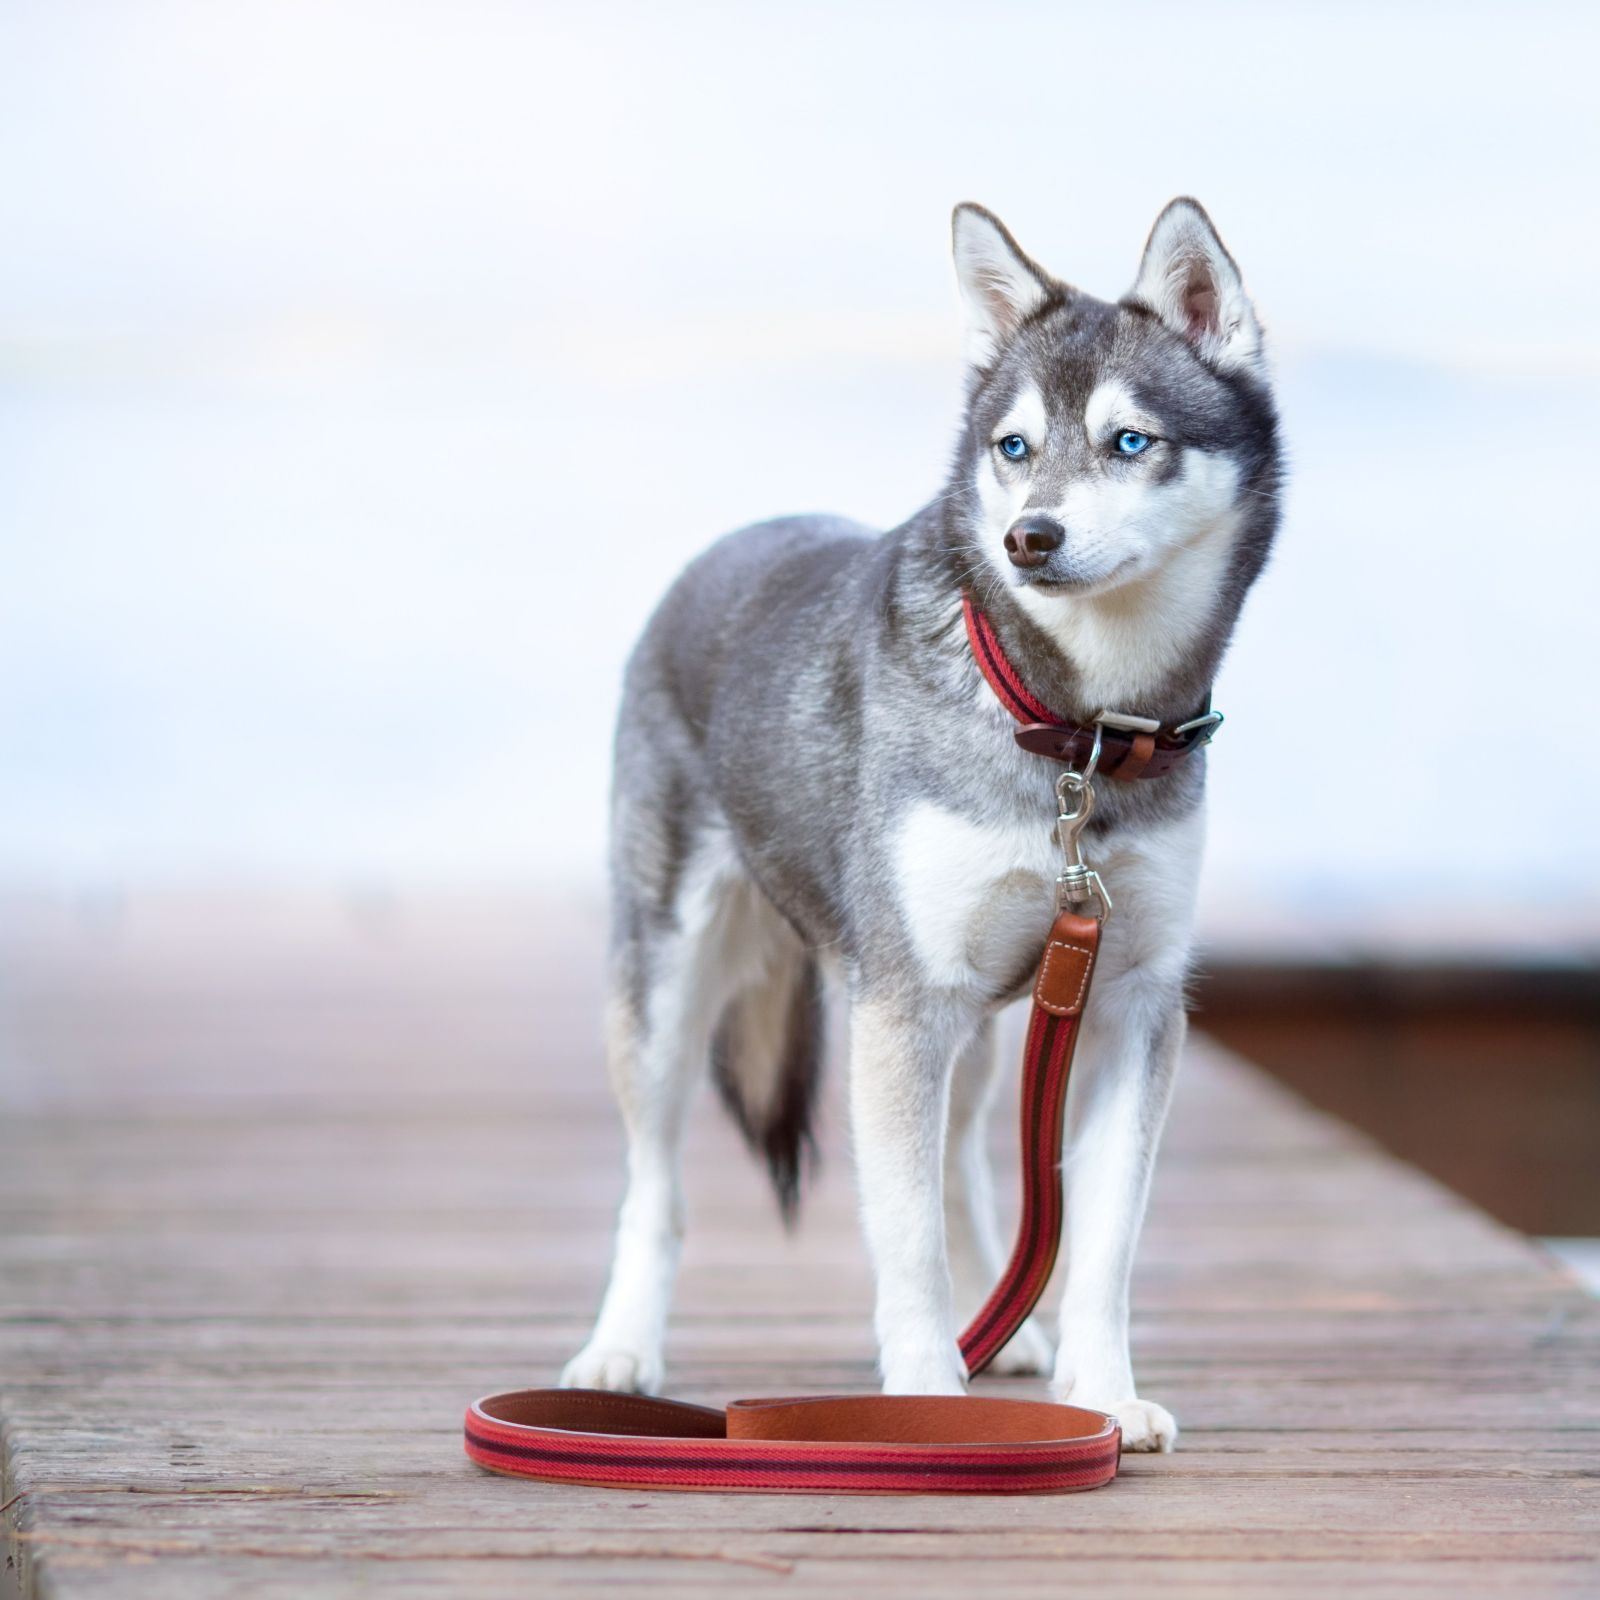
(367, 370)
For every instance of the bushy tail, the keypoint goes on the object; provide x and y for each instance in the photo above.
(766, 1058)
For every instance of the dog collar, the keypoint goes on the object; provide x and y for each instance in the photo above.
(1113, 742)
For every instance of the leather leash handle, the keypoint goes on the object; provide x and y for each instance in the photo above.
(1060, 992)
(859, 1444)
(822, 1444)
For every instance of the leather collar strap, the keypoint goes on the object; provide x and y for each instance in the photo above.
(1124, 753)
(860, 1444)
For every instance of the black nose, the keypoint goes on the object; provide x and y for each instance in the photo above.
(1031, 540)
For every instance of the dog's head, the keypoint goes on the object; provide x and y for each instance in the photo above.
(1103, 440)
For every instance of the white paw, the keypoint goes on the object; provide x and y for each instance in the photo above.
(1144, 1424)
(1029, 1353)
(599, 1366)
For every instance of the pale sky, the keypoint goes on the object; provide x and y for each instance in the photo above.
(367, 370)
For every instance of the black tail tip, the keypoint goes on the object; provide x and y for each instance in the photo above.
(790, 1161)
(783, 1140)
(780, 1130)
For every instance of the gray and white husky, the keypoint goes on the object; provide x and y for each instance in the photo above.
(810, 770)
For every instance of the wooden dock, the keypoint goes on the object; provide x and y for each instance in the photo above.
(282, 1187)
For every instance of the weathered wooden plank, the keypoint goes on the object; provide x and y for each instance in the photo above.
(275, 1202)
(166, 1572)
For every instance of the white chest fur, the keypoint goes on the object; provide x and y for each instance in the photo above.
(976, 895)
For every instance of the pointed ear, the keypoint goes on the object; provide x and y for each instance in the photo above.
(1190, 281)
(1000, 285)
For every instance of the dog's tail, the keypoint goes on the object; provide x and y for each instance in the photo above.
(766, 1058)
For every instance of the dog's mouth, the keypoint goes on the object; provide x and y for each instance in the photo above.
(1073, 583)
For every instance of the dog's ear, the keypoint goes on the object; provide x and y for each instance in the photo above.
(1000, 285)
(1190, 281)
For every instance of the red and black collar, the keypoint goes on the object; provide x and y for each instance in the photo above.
(1130, 747)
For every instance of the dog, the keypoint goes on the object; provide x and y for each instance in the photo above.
(810, 773)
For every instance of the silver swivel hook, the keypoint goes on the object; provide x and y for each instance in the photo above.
(1078, 883)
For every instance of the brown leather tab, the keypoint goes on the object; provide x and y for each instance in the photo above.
(1140, 753)
(1063, 981)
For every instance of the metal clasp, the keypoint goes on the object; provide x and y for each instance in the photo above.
(1210, 721)
(1078, 883)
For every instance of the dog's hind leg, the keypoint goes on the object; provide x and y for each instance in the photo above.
(670, 979)
(651, 1078)
(720, 965)
(971, 1216)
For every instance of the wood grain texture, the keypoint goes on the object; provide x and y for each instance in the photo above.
(283, 1185)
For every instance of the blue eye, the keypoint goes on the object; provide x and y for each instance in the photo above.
(1013, 447)
(1130, 442)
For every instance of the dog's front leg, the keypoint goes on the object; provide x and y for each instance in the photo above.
(901, 1052)
(1117, 1104)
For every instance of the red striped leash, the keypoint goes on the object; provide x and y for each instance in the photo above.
(822, 1444)
(897, 1444)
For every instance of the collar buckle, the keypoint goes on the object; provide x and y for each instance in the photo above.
(1204, 727)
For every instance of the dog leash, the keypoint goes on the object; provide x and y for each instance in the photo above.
(827, 1444)
(859, 1444)
(899, 1444)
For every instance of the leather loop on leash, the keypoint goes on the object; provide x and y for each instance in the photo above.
(860, 1444)
(822, 1444)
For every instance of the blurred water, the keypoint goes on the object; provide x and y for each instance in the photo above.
(366, 372)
